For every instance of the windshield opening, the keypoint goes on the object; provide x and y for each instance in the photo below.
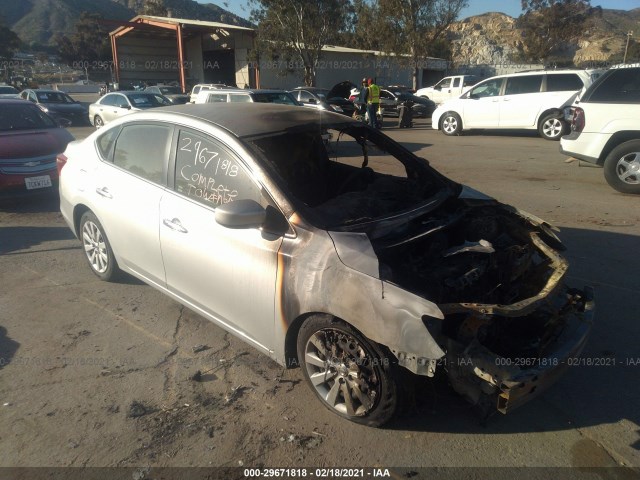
(24, 117)
(347, 175)
(53, 97)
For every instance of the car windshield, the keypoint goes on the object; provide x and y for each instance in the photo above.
(170, 90)
(349, 177)
(4, 90)
(24, 117)
(54, 97)
(283, 98)
(147, 100)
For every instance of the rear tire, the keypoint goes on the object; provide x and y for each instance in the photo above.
(552, 127)
(350, 375)
(622, 167)
(451, 124)
(97, 248)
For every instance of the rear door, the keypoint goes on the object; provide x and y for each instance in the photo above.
(131, 180)
(521, 102)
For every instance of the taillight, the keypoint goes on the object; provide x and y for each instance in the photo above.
(577, 124)
(61, 161)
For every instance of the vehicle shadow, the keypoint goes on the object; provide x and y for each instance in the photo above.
(8, 347)
(599, 389)
(502, 133)
(45, 203)
(23, 238)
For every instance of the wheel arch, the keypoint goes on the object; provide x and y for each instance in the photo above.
(291, 338)
(78, 211)
(549, 111)
(617, 139)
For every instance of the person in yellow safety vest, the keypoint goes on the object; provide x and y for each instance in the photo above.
(373, 103)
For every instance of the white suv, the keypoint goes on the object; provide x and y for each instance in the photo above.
(605, 127)
(527, 100)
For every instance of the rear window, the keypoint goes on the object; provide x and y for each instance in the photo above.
(6, 90)
(147, 100)
(564, 82)
(282, 98)
(24, 117)
(620, 86)
(217, 98)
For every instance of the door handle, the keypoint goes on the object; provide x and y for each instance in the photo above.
(104, 192)
(174, 224)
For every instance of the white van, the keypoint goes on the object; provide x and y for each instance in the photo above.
(246, 96)
(528, 100)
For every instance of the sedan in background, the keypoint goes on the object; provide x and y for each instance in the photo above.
(323, 99)
(7, 91)
(57, 104)
(29, 142)
(173, 93)
(390, 102)
(117, 104)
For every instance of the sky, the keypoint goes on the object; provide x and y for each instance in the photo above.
(476, 7)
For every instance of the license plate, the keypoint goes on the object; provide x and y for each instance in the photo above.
(38, 182)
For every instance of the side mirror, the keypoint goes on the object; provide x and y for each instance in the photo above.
(241, 214)
(64, 122)
(312, 101)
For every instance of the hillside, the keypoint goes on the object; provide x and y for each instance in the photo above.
(493, 38)
(37, 21)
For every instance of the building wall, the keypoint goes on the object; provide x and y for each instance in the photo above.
(336, 67)
(147, 59)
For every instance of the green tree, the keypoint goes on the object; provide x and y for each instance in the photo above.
(410, 29)
(549, 25)
(9, 43)
(299, 29)
(89, 43)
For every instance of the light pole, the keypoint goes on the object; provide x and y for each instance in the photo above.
(626, 49)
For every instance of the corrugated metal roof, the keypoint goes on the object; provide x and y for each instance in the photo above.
(186, 21)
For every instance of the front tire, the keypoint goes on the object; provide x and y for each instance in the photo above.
(451, 124)
(348, 373)
(98, 122)
(551, 127)
(622, 167)
(97, 248)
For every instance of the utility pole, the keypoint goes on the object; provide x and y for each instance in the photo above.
(626, 49)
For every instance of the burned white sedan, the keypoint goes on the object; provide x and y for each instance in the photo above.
(327, 245)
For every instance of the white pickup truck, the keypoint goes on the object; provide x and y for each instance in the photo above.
(448, 87)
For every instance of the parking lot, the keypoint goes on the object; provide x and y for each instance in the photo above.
(117, 374)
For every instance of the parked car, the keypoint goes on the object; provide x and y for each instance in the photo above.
(7, 91)
(354, 260)
(207, 86)
(529, 100)
(29, 142)
(57, 104)
(605, 127)
(247, 96)
(448, 88)
(173, 93)
(117, 104)
(323, 99)
(390, 103)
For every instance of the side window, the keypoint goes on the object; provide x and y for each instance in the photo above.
(241, 98)
(446, 83)
(304, 96)
(108, 100)
(621, 86)
(210, 173)
(385, 94)
(143, 150)
(216, 97)
(456, 82)
(106, 142)
(490, 88)
(121, 101)
(522, 85)
(564, 82)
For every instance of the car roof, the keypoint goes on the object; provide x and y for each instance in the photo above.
(15, 101)
(243, 90)
(251, 119)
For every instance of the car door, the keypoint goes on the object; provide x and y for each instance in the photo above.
(521, 102)
(112, 106)
(227, 274)
(481, 106)
(131, 180)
